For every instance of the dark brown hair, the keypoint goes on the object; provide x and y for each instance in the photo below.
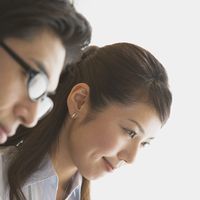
(25, 18)
(120, 73)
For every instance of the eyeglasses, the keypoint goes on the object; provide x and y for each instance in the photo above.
(37, 83)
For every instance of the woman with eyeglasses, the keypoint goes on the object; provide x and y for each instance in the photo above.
(107, 106)
(37, 38)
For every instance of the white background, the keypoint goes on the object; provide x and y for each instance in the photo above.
(170, 29)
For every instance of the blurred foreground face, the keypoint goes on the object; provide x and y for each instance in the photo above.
(23, 90)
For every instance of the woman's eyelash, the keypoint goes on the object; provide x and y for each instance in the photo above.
(131, 133)
(145, 144)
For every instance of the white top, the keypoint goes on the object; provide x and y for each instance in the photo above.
(42, 185)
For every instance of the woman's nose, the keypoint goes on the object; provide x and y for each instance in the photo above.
(129, 152)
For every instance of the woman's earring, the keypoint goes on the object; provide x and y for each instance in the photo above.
(74, 115)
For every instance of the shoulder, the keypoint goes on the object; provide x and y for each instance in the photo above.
(7, 152)
(4, 149)
(5, 155)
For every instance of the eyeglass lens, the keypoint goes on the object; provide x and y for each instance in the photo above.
(37, 86)
(45, 107)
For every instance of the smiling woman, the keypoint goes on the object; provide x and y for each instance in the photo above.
(37, 38)
(107, 107)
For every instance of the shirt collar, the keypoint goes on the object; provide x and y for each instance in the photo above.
(44, 172)
(47, 171)
(76, 181)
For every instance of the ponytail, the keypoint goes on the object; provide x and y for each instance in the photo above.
(85, 190)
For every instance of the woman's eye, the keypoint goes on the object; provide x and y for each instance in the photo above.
(131, 133)
(145, 144)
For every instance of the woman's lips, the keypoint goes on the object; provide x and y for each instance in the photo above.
(108, 165)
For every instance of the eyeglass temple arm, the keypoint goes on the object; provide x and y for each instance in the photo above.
(16, 57)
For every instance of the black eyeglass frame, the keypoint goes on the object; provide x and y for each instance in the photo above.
(27, 68)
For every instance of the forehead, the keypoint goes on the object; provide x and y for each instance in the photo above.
(44, 48)
(138, 115)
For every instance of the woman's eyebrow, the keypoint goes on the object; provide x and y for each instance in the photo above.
(138, 124)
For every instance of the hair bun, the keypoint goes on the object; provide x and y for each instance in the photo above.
(88, 51)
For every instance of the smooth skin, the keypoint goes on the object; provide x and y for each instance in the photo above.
(95, 143)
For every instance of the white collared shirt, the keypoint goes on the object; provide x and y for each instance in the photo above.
(41, 185)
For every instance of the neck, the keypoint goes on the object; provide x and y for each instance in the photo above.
(62, 161)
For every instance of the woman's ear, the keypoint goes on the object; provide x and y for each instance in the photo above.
(78, 98)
